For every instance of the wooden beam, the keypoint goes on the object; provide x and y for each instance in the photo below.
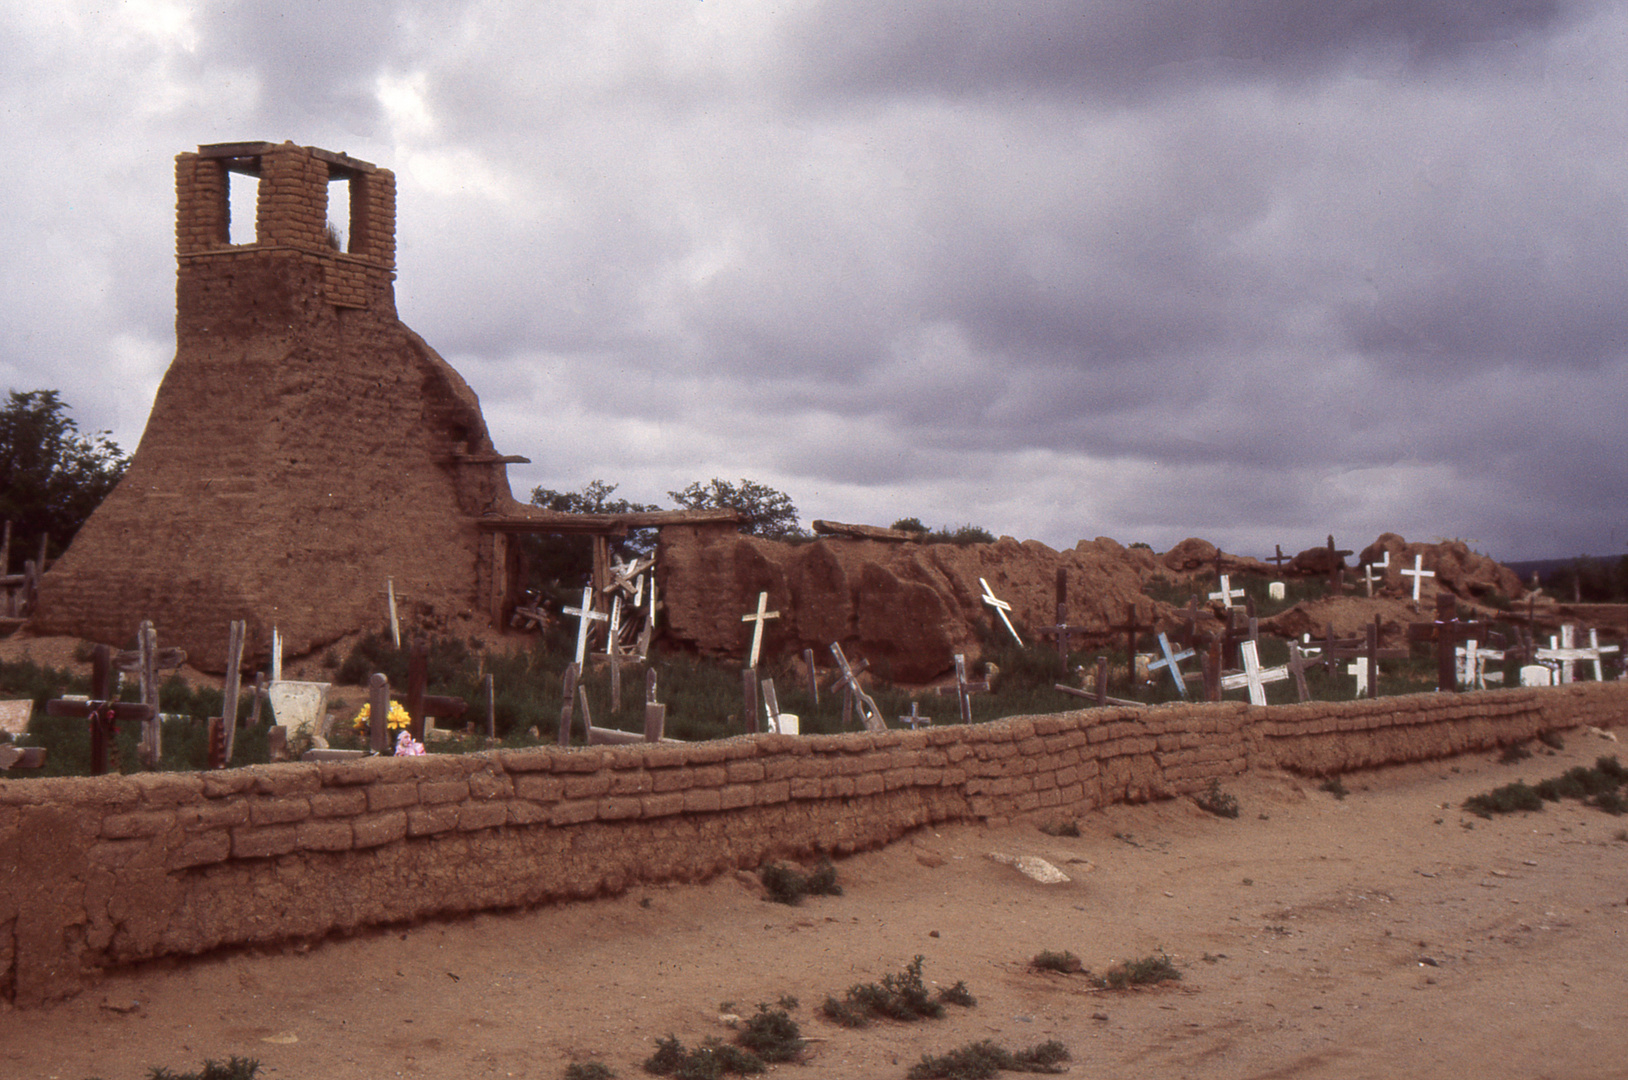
(867, 532)
(604, 524)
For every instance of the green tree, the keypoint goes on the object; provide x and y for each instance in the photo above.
(51, 476)
(764, 511)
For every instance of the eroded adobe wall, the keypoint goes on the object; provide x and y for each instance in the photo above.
(113, 870)
(303, 447)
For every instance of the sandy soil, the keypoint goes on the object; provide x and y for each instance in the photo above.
(1384, 934)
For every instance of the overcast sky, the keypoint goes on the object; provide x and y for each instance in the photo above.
(1254, 271)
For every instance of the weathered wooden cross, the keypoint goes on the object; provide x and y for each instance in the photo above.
(423, 706)
(1336, 567)
(869, 714)
(1227, 594)
(1418, 574)
(963, 688)
(145, 662)
(1061, 630)
(1447, 631)
(1471, 660)
(1368, 578)
(757, 620)
(586, 617)
(914, 717)
(1369, 654)
(1254, 676)
(1172, 660)
(103, 712)
(1298, 663)
(1567, 652)
(1132, 628)
(1279, 559)
(1001, 608)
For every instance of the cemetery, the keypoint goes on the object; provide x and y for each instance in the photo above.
(263, 708)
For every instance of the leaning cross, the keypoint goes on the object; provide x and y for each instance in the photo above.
(1254, 676)
(963, 688)
(1227, 594)
(1001, 608)
(763, 613)
(869, 714)
(586, 616)
(1418, 574)
(1173, 662)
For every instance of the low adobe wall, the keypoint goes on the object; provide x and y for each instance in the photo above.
(117, 869)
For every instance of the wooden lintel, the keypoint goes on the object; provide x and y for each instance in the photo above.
(605, 524)
(235, 149)
(486, 459)
(343, 162)
(867, 532)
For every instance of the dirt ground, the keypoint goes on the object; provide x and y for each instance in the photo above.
(1383, 934)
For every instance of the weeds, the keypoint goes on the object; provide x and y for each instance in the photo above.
(1598, 787)
(709, 1061)
(234, 1069)
(587, 1070)
(1504, 800)
(788, 886)
(1514, 752)
(1144, 972)
(1061, 828)
(1065, 963)
(981, 1060)
(1216, 801)
(901, 997)
(1335, 787)
(772, 1034)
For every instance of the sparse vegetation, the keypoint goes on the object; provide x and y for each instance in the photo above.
(902, 997)
(588, 1070)
(1061, 828)
(235, 1068)
(1144, 972)
(981, 1060)
(1216, 801)
(710, 1061)
(1599, 787)
(1065, 963)
(1552, 740)
(1335, 787)
(772, 1034)
(1504, 800)
(787, 886)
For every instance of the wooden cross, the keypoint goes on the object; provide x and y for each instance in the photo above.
(145, 661)
(869, 714)
(422, 706)
(914, 717)
(1368, 569)
(1001, 608)
(628, 578)
(1173, 662)
(586, 617)
(1233, 635)
(1447, 631)
(1418, 574)
(1472, 660)
(1371, 654)
(1568, 653)
(1132, 628)
(963, 688)
(1331, 648)
(1099, 696)
(1279, 559)
(1227, 593)
(1254, 676)
(1336, 567)
(1298, 663)
(763, 613)
(101, 710)
(1187, 636)
(1061, 630)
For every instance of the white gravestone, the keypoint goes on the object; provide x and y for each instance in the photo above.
(1536, 675)
(298, 706)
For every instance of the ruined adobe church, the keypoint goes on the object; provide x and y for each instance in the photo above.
(304, 446)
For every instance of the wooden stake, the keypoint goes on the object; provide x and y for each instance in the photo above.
(491, 708)
(749, 697)
(228, 705)
(378, 727)
(568, 692)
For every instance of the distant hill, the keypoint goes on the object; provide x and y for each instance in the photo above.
(1595, 578)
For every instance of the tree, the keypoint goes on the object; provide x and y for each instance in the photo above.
(569, 560)
(764, 511)
(51, 477)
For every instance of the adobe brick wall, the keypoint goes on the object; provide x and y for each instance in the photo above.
(304, 446)
(118, 869)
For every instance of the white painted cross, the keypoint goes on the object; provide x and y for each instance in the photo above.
(1227, 593)
(1173, 662)
(763, 613)
(1001, 608)
(1368, 572)
(1254, 676)
(1418, 574)
(1359, 668)
(1472, 665)
(586, 615)
(1568, 652)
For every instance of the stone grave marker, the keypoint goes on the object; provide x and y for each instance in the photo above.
(1536, 675)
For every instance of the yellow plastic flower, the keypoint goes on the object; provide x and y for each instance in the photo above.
(397, 720)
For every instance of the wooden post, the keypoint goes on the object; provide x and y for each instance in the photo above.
(152, 735)
(1132, 628)
(395, 623)
(1297, 667)
(813, 677)
(964, 687)
(568, 692)
(418, 675)
(749, 697)
(5, 550)
(229, 691)
(1212, 671)
(1447, 631)
(378, 735)
(491, 707)
(655, 713)
(1102, 682)
(259, 696)
(771, 705)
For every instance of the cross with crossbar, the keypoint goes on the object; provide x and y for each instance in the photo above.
(586, 617)
(1001, 608)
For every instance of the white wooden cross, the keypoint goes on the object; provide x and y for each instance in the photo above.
(1173, 662)
(1001, 608)
(1368, 572)
(586, 616)
(869, 714)
(1418, 574)
(1359, 668)
(914, 717)
(1472, 665)
(1598, 650)
(763, 613)
(1254, 676)
(628, 578)
(1227, 593)
(1568, 652)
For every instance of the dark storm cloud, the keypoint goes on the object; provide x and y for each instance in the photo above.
(1123, 52)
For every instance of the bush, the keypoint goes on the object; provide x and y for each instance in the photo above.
(1065, 963)
(981, 1060)
(1143, 972)
(1217, 802)
(1504, 800)
(788, 886)
(773, 1035)
(902, 997)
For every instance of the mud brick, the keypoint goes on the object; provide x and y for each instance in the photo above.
(376, 829)
(324, 835)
